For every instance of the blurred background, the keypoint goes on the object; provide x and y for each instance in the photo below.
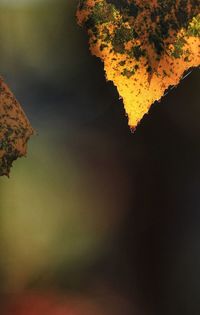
(96, 220)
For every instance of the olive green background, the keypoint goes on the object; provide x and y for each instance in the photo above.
(93, 205)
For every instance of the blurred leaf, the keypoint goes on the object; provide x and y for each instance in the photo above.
(15, 129)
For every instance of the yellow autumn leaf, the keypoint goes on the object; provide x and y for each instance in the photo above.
(15, 129)
(146, 46)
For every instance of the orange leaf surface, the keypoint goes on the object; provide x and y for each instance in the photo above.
(146, 46)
